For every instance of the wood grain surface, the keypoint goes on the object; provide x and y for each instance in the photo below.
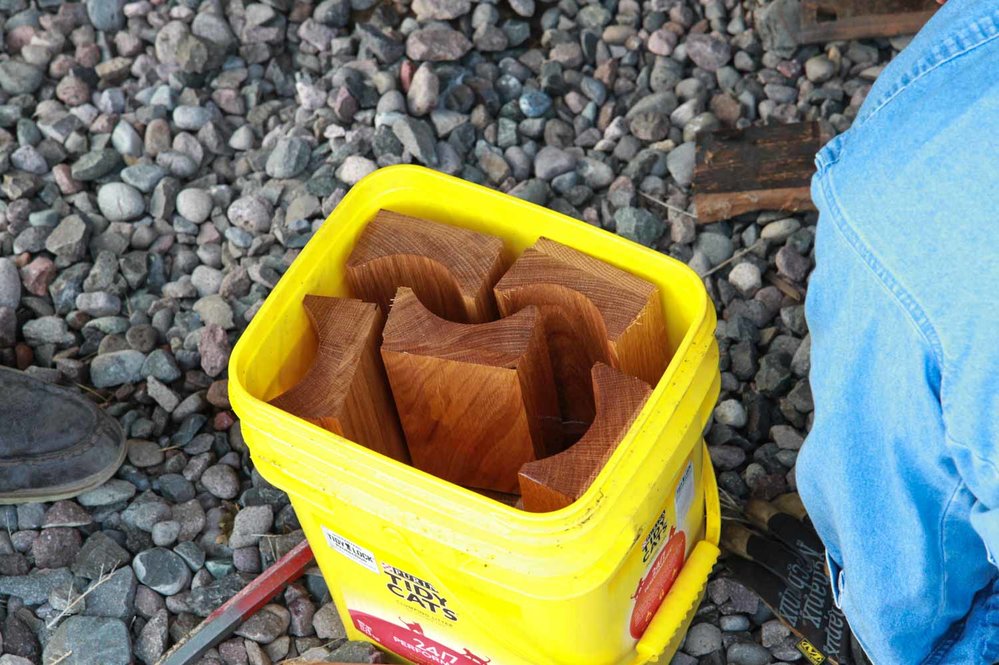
(555, 482)
(593, 312)
(757, 168)
(476, 401)
(834, 20)
(345, 390)
(452, 270)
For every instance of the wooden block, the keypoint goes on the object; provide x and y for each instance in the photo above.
(476, 401)
(555, 482)
(757, 168)
(345, 390)
(593, 313)
(834, 20)
(452, 270)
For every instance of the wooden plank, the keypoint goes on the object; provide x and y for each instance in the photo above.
(834, 20)
(452, 270)
(477, 401)
(345, 390)
(593, 312)
(757, 168)
(555, 482)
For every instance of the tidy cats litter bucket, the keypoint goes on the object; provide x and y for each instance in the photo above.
(436, 574)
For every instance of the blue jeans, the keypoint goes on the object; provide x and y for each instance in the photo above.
(901, 470)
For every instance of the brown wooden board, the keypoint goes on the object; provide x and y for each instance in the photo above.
(477, 401)
(345, 390)
(593, 312)
(757, 168)
(452, 270)
(555, 482)
(834, 20)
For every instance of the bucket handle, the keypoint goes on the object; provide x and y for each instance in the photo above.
(663, 634)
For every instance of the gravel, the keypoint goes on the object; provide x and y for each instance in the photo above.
(164, 164)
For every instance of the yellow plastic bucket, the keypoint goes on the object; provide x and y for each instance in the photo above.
(437, 574)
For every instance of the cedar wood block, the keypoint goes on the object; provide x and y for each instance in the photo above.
(345, 390)
(476, 401)
(555, 482)
(593, 312)
(452, 270)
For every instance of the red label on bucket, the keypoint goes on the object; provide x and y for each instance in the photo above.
(409, 641)
(657, 583)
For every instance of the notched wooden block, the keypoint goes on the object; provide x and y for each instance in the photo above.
(555, 482)
(593, 312)
(757, 168)
(451, 270)
(345, 390)
(834, 20)
(476, 401)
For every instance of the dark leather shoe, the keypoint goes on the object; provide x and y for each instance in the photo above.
(54, 443)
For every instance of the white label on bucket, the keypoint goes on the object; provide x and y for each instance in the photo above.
(351, 550)
(684, 495)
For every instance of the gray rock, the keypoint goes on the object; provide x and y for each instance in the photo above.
(191, 117)
(437, 44)
(221, 480)
(250, 524)
(774, 376)
(747, 653)
(120, 202)
(423, 90)
(35, 587)
(47, 330)
(112, 596)
(777, 24)
(99, 555)
(680, 163)
(162, 571)
(792, 265)
(417, 138)
(98, 303)
(19, 78)
(95, 164)
(165, 533)
(551, 162)
(730, 412)
(327, 623)
(746, 278)
(288, 159)
(440, 10)
(10, 284)
(117, 368)
(91, 641)
(68, 241)
(715, 247)
(266, 625)
(144, 177)
(107, 15)
(639, 225)
(709, 52)
(354, 168)
(195, 205)
(111, 492)
(251, 213)
(26, 158)
(124, 138)
(702, 639)
(161, 364)
(152, 640)
(780, 230)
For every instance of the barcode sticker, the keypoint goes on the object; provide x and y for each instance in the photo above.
(351, 550)
(684, 495)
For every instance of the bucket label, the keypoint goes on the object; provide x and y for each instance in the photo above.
(418, 592)
(684, 496)
(351, 550)
(410, 640)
